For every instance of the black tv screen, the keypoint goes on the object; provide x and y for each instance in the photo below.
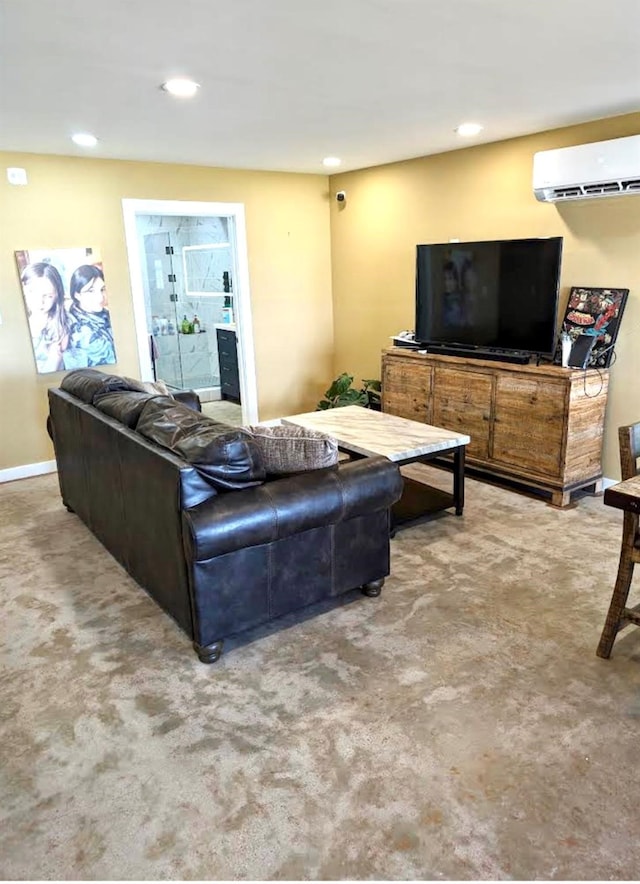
(499, 294)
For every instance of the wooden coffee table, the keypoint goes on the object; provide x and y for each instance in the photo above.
(362, 432)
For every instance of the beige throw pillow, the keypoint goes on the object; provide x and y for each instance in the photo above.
(289, 449)
(155, 388)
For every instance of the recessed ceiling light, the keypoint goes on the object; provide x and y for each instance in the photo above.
(84, 139)
(467, 130)
(181, 86)
(331, 161)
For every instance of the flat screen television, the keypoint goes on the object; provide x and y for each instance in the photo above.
(497, 295)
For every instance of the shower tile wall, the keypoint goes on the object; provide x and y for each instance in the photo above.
(184, 360)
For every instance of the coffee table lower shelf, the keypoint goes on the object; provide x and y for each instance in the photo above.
(362, 432)
(419, 499)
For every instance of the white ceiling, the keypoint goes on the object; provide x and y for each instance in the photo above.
(286, 82)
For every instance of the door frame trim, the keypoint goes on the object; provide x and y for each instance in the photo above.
(241, 297)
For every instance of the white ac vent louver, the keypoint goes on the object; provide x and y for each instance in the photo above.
(588, 171)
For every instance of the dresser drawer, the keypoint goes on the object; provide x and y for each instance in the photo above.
(228, 362)
(226, 338)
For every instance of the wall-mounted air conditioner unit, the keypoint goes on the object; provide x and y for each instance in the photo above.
(602, 168)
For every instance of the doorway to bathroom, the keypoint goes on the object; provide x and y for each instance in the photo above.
(188, 266)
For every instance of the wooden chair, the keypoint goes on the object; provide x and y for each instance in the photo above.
(619, 615)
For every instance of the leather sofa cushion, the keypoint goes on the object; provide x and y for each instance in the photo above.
(227, 457)
(125, 407)
(289, 449)
(86, 383)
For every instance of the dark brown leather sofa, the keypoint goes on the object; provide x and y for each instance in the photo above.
(220, 548)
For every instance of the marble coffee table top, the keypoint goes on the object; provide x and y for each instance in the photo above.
(368, 432)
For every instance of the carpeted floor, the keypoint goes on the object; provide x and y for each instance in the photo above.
(460, 726)
(224, 411)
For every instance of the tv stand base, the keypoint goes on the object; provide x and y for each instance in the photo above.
(513, 356)
(537, 426)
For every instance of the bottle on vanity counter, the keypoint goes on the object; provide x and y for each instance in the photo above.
(197, 328)
(227, 311)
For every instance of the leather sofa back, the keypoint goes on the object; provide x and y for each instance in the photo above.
(86, 383)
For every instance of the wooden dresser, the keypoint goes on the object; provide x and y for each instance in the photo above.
(541, 425)
(228, 360)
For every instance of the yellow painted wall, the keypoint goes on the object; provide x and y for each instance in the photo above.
(481, 192)
(367, 255)
(77, 202)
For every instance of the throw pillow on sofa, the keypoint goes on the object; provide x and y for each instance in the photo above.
(287, 449)
(153, 388)
(227, 457)
(159, 388)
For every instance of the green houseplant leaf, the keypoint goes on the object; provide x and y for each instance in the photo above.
(341, 393)
(372, 388)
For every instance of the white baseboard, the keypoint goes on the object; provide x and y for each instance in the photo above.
(607, 483)
(28, 470)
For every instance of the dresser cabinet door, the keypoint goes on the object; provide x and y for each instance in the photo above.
(529, 423)
(228, 361)
(406, 389)
(462, 402)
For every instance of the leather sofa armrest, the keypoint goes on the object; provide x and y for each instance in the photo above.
(284, 507)
(189, 398)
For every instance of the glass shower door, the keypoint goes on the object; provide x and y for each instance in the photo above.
(190, 267)
(163, 330)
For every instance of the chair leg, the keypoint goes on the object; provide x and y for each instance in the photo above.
(618, 604)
